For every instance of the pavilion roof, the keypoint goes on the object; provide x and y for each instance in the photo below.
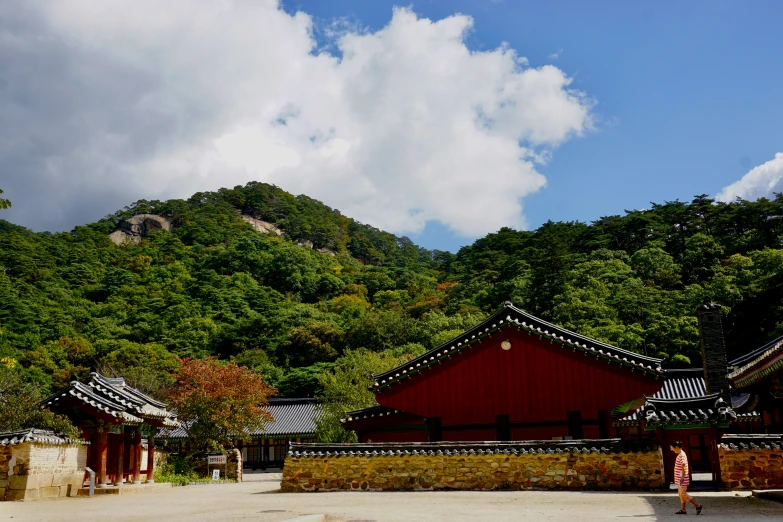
(757, 364)
(115, 398)
(510, 316)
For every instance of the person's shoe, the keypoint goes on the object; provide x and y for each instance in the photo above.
(698, 509)
(681, 512)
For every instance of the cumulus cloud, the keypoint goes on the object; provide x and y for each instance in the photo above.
(102, 103)
(761, 181)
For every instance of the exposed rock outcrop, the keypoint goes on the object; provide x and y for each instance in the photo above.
(137, 227)
(261, 226)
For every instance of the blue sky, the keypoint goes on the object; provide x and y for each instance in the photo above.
(689, 94)
(421, 119)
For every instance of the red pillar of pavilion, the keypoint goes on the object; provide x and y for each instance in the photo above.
(136, 449)
(120, 458)
(101, 453)
(151, 457)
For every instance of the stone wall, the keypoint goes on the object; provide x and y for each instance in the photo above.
(751, 462)
(33, 470)
(161, 457)
(574, 465)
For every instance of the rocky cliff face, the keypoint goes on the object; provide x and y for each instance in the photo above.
(261, 226)
(137, 227)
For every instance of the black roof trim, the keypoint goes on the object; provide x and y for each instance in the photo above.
(391, 449)
(748, 357)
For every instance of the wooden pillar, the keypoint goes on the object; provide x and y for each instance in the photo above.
(101, 453)
(667, 472)
(120, 458)
(151, 458)
(716, 476)
(136, 448)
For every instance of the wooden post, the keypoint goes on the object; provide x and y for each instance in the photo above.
(716, 476)
(120, 458)
(101, 452)
(136, 448)
(150, 457)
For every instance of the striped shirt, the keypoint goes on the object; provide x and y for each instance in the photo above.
(682, 475)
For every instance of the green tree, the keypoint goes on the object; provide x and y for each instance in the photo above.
(4, 203)
(218, 403)
(20, 404)
(346, 387)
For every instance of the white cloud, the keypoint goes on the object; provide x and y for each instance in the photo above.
(157, 99)
(555, 56)
(761, 181)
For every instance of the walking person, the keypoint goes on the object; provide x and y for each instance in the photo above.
(682, 479)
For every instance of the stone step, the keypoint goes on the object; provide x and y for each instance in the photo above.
(128, 489)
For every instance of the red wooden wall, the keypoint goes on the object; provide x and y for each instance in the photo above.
(534, 381)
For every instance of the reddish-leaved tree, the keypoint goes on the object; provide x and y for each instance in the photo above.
(218, 402)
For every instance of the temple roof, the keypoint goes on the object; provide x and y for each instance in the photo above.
(292, 418)
(510, 316)
(113, 397)
(12, 438)
(686, 385)
(707, 409)
(757, 364)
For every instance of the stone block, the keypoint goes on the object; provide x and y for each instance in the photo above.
(23, 482)
(49, 491)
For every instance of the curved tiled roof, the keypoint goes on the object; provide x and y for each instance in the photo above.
(510, 316)
(12, 438)
(367, 413)
(697, 410)
(687, 384)
(115, 398)
(682, 384)
(757, 364)
(292, 417)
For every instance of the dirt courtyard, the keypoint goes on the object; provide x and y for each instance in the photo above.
(258, 498)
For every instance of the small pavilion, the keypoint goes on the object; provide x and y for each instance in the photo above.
(113, 417)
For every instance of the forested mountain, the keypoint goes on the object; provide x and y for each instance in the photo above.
(213, 285)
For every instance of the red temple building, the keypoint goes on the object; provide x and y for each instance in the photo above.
(512, 377)
(114, 418)
(515, 377)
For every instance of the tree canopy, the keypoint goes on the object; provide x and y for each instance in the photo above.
(218, 403)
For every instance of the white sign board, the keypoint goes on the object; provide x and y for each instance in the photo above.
(216, 459)
(215, 474)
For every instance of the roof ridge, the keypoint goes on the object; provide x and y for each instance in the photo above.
(537, 327)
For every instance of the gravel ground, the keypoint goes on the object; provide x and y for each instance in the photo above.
(258, 498)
